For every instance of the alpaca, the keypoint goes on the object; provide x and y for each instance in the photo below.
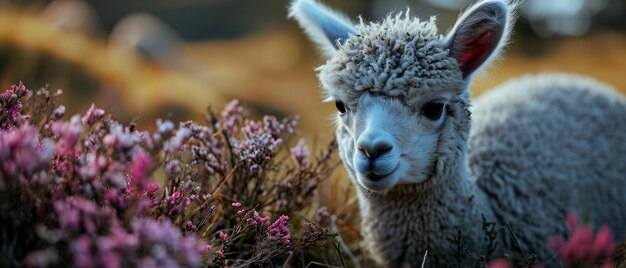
(539, 147)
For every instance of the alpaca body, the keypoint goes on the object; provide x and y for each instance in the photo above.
(399, 228)
(531, 163)
(428, 177)
(546, 145)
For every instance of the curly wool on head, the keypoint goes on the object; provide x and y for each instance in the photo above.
(397, 57)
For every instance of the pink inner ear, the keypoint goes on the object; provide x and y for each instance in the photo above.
(478, 50)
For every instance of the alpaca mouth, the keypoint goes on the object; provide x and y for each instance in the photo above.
(374, 175)
(377, 183)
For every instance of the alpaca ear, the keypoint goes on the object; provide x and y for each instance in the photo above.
(479, 34)
(324, 26)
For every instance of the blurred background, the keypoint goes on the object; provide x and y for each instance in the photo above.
(142, 59)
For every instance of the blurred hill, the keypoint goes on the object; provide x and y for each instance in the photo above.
(272, 70)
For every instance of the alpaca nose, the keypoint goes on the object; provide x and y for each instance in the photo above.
(374, 145)
(376, 150)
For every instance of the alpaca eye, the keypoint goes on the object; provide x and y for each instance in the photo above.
(433, 110)
(340, 107)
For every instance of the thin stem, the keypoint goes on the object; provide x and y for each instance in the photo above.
(517, 242)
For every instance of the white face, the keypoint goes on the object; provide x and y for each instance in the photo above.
(382, 142)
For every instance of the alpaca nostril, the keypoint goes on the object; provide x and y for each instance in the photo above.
(385, 149)
(364, 151)
(375, 151)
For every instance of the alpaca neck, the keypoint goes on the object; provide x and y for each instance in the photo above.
(426, 216)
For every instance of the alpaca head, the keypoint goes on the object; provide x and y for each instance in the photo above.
(401, 88)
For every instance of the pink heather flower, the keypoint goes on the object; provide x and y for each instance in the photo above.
(272, 126)
(120, 138)
(300, 153)
(81, 249)
(572, 220)
(286, 240)
(176, 203)
(173, 167)
(138, 180)
(164, 126)
(114, 198)
(263, 220)
(42, 258)
(583, 249)
(141, 165)
(109, 140)
(78, 215)
(90, 168)
(178, 140)
(93, 114)
(172, 198)
(219, 253)
(152, 187)
(603, 242)
(280, 228)
(96, 176)
(11, 106)
(67, 134)
(68, 218)
(20, 89)
(260, 220)
(191, 226)
(20, 150)
(58, 112)
(259, 145)
(223, 236)
(232, 117)
(164, 239)
(499, 263)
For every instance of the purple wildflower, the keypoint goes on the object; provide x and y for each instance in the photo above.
(260, 220)
(499, 263)
(67, 133)
(86, 196)
(178, 140)
(280, 229)
(300, 153)
(93, 115)
(58, 112)
(322, 215)
(11, 106)
(164, 127)
(138, 178)
(223, 236)
(232, 117)
(219, 253)
(584, 249)
(120, 138)
(21, 151)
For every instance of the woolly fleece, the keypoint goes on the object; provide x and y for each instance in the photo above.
(539, 147)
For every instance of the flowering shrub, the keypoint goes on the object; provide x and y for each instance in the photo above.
(584, 248)
(92, 192)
